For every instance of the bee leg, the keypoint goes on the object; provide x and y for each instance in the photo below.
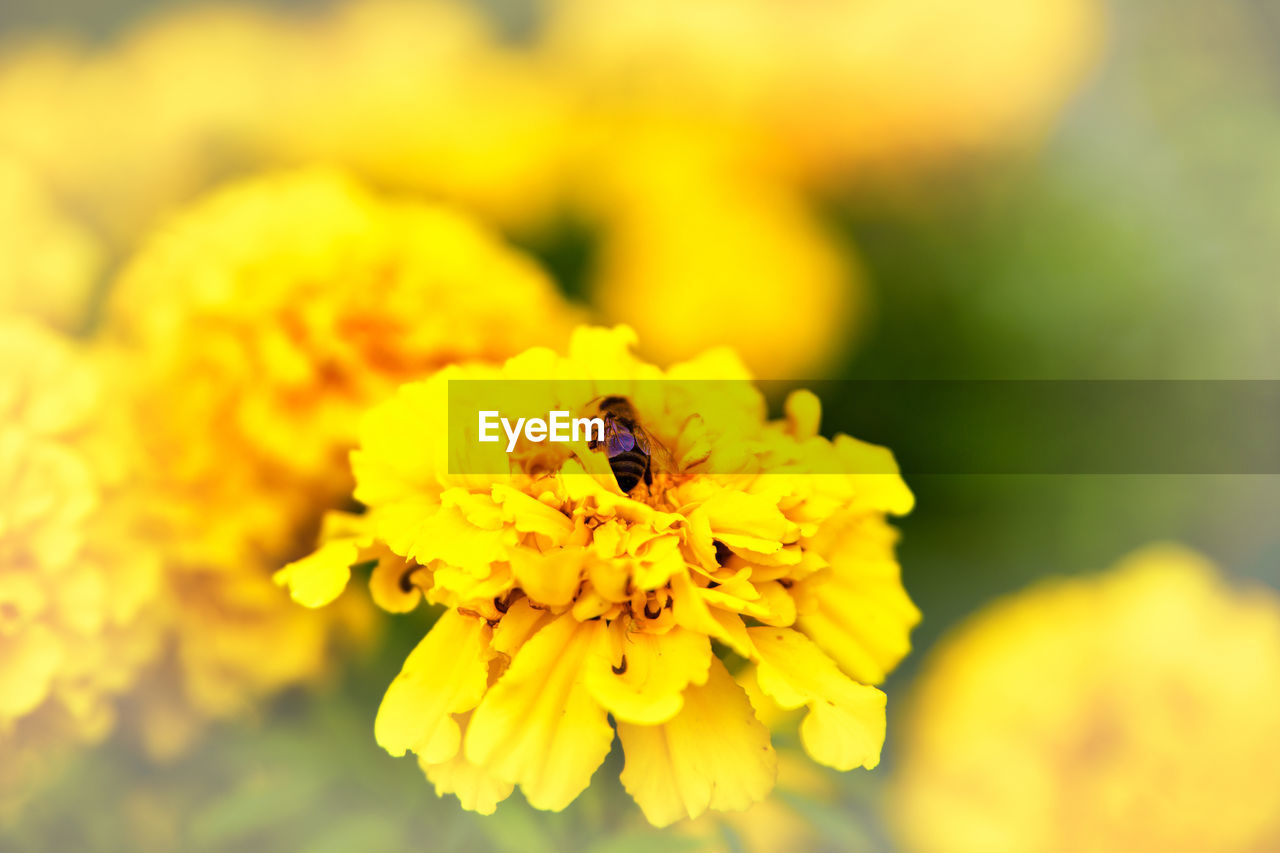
(648, 472)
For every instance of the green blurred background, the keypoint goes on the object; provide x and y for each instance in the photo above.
(1140, 242)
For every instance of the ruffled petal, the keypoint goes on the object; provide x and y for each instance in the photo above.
(319, 578)
(31, 661)
(445, 675)
(396, 583)
(538, 727)
(846, 721)
(550, 577)
(856, 610)
(476, 788)
(713, 754)
(640, 677)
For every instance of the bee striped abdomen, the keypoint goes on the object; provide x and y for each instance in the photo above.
(629, 468)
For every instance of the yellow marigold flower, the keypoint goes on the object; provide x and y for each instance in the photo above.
(48, 263)
(77, 596)
(833, 83)
(252, 330)
(1134, 710)
(570, 602)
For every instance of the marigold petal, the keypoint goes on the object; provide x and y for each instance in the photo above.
(804, 413)
(713, 754)
(445, 675)
(549, 577)
(538, 727)
(875, 475)
(519, 623)
(476, 788)
(393, 584)
(481, 510)
(591, 605)
(845, 725)
(609, 579)
(483, 582)
(319, 578)
(31, 661)
(776, 606)
(690, 607)
(864, 627)
(856, 609)
(530, 515)
(751, 517)
(733, 632)
(657, 560)
(448, 536)
(847, 733)
(640, 677)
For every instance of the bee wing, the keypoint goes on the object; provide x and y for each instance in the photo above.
(660, 458)
(620, 440)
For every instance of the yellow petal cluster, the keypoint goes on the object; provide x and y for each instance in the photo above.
(721, 118)
(1132, 710)
(686, 221)
(250, 332)
(831, 86)
(77, 593)
(410, 94)
(706, 125)
(49, 263)
(570, 603)
(429, 95)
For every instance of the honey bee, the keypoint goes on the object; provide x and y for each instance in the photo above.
(630, 448)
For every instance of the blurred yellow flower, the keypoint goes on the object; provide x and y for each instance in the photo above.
(570, 601)
(1134, 710)
(126, 133)
(409, 94)
(425, 96)
(684, 221)
(49, 264)
(77, 594)
(718, 117)
(830, 85)
(249, 334)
